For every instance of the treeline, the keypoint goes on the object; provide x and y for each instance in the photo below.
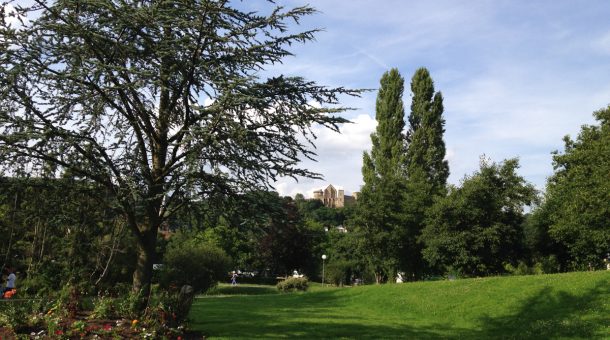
(59, 231)
(409, 220)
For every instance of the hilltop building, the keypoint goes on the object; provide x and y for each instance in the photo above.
(333, 198)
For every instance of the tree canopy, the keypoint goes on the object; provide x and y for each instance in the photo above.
(379, 201)
(160, 102)
(576, 206)
(477, 227)
(426, 149)
(425, 166)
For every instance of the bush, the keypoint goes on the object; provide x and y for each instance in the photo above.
(24, 314)
(337, 272)
(125, 305)
(548, 265)
(523, 269)
(293, 284)
(102, 308)
(168, 309)
(199, 265)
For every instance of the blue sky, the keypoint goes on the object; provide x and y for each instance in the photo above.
(517, 76)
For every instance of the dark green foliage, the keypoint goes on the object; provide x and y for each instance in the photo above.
(321, 223)
(22, 314)
(190, 262)
(59, 231)
(315, 210)
(426, 148)
(285, 244)
(114, 92)
(265, 232)
(425, 164)
(103, 308)
(293, 284)
(577, 201)
(347, 248)
(541, 248)
(339, 272)
(379, 203)
(478, 226)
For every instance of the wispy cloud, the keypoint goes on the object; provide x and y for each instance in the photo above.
(516, 76)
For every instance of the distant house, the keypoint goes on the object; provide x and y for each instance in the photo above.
(338, 228)
(333, 198)
(341, 229)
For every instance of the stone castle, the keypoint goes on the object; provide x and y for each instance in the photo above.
(333, 198)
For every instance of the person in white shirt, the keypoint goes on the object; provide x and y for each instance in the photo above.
(10, 281)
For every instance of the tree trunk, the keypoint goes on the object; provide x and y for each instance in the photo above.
(378, 277)
(146, 248)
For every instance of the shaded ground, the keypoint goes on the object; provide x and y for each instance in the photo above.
(92, 329)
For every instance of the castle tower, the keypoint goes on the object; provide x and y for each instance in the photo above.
(333, 197)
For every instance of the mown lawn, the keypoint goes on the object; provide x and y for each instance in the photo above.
(573, 305)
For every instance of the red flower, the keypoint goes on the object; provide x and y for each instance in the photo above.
(91, 328)
(59, 332)
(107, 327)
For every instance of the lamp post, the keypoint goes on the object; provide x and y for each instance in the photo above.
(323, 259)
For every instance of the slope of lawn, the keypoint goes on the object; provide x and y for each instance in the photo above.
(572, 305)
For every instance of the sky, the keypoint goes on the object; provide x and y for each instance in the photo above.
(516, 76)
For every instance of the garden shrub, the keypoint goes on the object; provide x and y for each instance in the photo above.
(199, 265)
(168, 309)
(337, 272)
(103, 308)
(125, 305)
(548, 265)
(454, 273)
(25, 314)
(523, 269)
(293, 284)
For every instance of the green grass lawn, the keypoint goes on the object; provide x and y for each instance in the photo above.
(573, 305)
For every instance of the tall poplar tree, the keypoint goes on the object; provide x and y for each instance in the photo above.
(426, 148)
(379, 204)
(426, 168)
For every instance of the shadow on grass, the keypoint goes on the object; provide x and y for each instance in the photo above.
(297, 315)
(547, 314)
(553, 314)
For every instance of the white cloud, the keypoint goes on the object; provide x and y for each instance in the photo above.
(339, 158)
(354, 137)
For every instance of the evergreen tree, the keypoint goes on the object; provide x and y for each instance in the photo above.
(425, 166)
(113, 91)
(379, 205)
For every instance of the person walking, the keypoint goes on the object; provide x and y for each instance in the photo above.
(234, 279)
